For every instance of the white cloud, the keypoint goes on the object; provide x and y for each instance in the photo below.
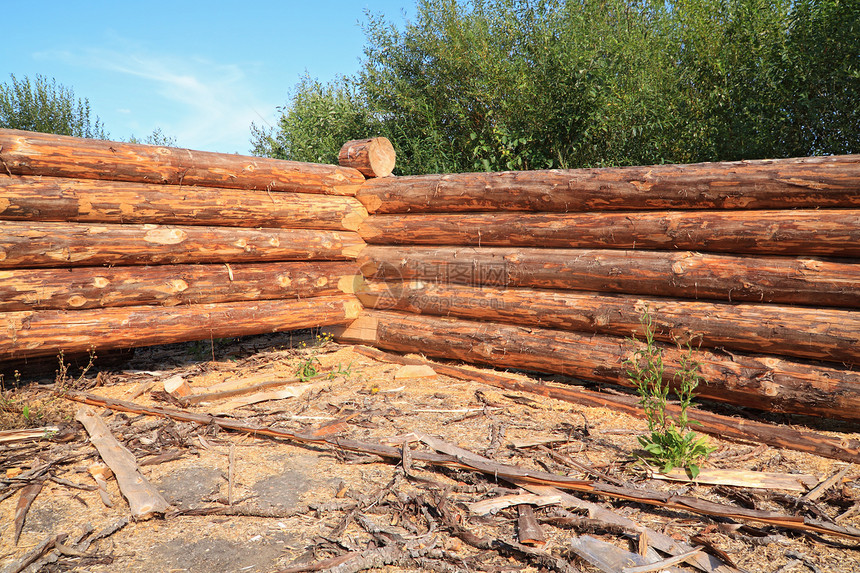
(204, 104)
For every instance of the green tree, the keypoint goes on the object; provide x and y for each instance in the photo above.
(45, 106)
(318, 120)
(157, 137)
(525, 84)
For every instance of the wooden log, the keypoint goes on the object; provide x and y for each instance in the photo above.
(817, 333)
(812, 182)
(825, 232)
(726, 427)
(761, 382)
(683, 274)
(374, 157)
(38, 244)
(27, 198)
(30, 153)
(46, 332)
(169, 285)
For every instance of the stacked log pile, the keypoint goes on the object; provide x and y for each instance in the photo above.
(111, 245)
(755, 262)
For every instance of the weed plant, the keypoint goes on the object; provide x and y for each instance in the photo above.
(670, 443)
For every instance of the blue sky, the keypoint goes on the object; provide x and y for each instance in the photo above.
(200, 71)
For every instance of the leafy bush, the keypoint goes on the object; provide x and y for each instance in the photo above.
(524, 84)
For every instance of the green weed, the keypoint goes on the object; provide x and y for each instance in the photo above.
(670, 443)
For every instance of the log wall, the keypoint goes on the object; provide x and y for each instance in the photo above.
(754, 262)
(115, 245)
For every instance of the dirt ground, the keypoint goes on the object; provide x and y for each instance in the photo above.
(318, 507)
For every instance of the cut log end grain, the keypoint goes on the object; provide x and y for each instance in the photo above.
(373, 157)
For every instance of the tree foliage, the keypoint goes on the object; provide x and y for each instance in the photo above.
(45, 106)
(525, 84)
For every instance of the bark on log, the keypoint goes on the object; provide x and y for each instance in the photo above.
(810, 182)
(725, 427)
(46, 332)
(681, 274)
(25, 198)
(170, 285)
(29, 153)
(832, 232)
(374, 157)
(761, 382)
(38, 244)
(822, 334)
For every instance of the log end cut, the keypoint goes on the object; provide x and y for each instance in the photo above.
(374, 157)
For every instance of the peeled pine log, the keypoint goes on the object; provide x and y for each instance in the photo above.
(170, 285)
(374, 157)
(822, 334)
(30, 153)
(38, 244)
(761, 382)
(25, 198)
(831, 232)
(811, 182)
(47, 332)
(681, 274)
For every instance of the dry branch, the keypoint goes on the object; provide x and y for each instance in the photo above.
(28, 153)
(684, 274)
(812, 182)
(170, 285)
(143, 499)
(831, 232)
(93, 201)
(507, 472)
(38, 244)
(46, 332)
(723, 426)
(819, 333)
(762, 382)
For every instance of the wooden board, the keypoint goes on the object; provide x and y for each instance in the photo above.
(37, 244)
(28, 198)
(684, 274)
(812, 183)
(46, 332)
(825, 232)
(30, 153)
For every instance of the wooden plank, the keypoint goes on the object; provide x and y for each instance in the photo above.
(803, 332)
(46, 332)
(762, 382)
(30, 153)
(40, 198)
(683, 274)
(825, 232)
(99, 287)
(37, 244)
(811, 182)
